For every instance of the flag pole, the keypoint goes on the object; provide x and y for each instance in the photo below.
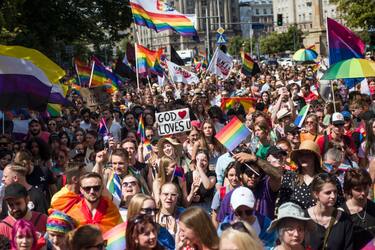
(3, 121)
(332, 90)
(79, 78)
(92, 72)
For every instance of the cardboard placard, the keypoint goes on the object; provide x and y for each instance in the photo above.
(95, 97)
(173, 122)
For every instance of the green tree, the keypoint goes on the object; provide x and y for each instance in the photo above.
(279, 42)
(357, 14)
(50, 25)
(235, 45)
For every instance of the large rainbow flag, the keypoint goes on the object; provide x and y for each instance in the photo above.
(247, 102)
(148, 60)
(233, 134)
(116, 237)
(83, 72)
(249, 67)
(159, 16)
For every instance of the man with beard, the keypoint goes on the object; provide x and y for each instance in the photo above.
(85, 123)
(16, 173)
(95, 208)
(16, 198)
(35, 130)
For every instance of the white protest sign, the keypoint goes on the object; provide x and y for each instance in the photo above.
(221, 64)
(173, 122)
(179, 74)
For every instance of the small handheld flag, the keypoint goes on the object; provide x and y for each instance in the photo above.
(141, 128)
(232, 134)
(179, 172)
(301, 116)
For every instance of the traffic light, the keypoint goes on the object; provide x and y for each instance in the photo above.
(279, 19)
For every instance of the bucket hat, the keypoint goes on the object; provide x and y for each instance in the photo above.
(288, 210)
(310, 147)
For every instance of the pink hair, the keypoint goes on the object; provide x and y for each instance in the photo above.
(24, 228)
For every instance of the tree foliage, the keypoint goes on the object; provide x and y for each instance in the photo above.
(280, 42)
(357, 14)
(50, 25)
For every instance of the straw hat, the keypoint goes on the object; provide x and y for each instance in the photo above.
(175, 144)
(310, 147)
(288, 210)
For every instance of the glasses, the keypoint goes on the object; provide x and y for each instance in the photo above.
(310, 122)
(149, 210)
(95, 188)
(51, 124)
(130, 184)
(240, 213)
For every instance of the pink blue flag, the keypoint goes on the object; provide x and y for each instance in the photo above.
(103, 129)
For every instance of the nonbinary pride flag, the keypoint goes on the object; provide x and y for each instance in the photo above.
(232, 134)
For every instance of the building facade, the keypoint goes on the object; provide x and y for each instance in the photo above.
(300, 13)
(257, 12)
(215, 13)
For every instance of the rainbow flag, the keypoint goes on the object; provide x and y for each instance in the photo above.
(249, 67)
(301, 116)
(114, 186)
(116, 237)
(159, 16)
(148, 60)
(54, 110)
(100, 76)
(83, 72)
(141, 128)
(247, 102)
(232, 134)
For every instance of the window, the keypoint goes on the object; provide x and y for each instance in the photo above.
(257, 11)
(265, 11)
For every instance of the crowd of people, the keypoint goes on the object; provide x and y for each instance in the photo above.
(286, 186)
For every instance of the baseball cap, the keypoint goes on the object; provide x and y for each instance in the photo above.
(290, 128)
(337, 119)
(15, 191)
(242, 196)
(347, 115)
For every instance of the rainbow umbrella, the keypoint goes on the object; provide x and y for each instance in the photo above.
(350, 68)
(303, 55)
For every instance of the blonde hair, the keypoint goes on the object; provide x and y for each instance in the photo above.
(18, 169)
(242, 240)
(24, 158)
(163, 164)
(136, 203)
(196, 219)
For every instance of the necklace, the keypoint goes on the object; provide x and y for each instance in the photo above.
(364, 214)
(316, 218)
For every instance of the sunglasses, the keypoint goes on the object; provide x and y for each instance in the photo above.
(95, 188)
(129, 184)
(150, 210)
(51, 124)
(240, 213)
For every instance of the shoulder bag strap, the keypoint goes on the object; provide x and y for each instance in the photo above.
(328, 231)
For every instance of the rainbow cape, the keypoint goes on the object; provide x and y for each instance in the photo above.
(159, 16)
(148, 60)
(116, 237)
(247, 102)
(232, 134)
